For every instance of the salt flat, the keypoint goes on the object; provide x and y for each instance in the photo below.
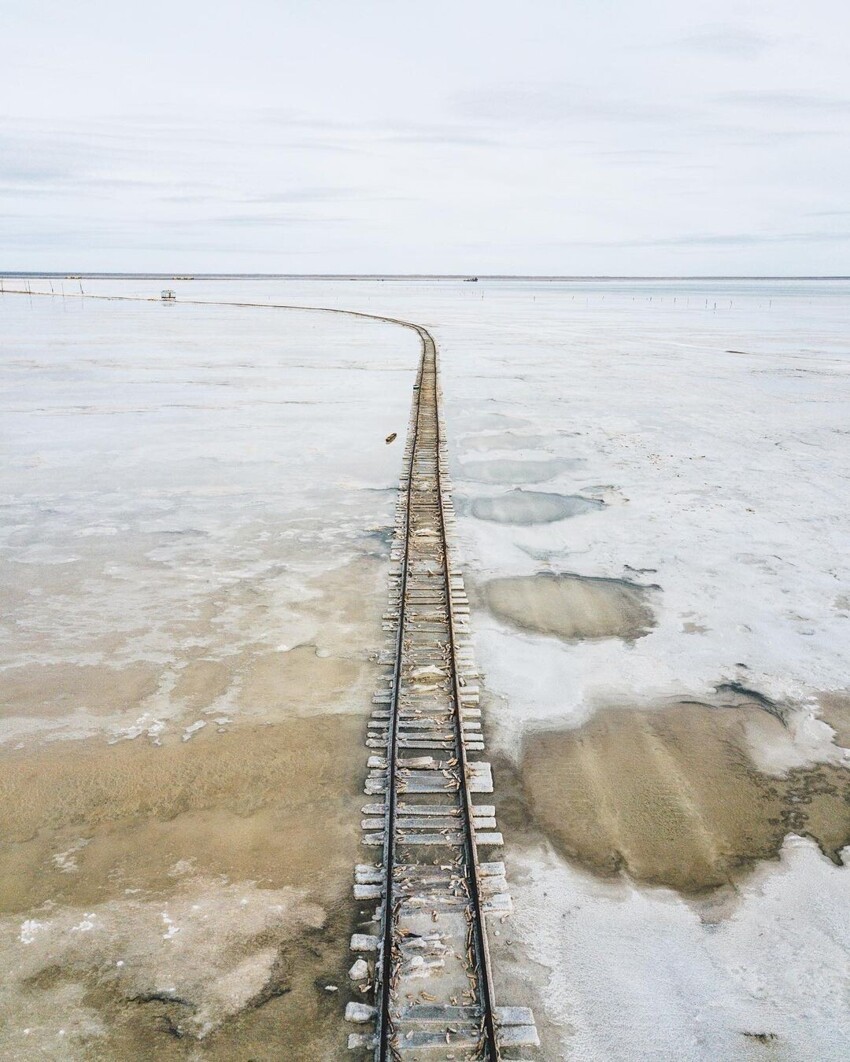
(197, 506)
(705, 424)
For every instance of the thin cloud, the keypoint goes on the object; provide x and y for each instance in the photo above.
(345, 135)
(545, 105)
(294, 196)
(739, 239)
(449, 134)
(725, 41)
(655, 134)
(787, 101)
(269, 220)
(307, 195)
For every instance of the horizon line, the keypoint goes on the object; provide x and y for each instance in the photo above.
(162, 275)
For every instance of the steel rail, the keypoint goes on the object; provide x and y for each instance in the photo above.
(384, 965)
(383, 1049)
(482, 946)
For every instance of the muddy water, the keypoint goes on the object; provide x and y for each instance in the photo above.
(672, 795)
(527, 507)
(572, 606)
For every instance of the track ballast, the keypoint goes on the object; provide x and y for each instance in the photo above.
(425, 944)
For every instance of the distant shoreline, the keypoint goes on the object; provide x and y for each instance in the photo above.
(71, 275)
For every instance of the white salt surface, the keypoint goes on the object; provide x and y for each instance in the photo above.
(711, 417)
(641, 973)
(173, 480)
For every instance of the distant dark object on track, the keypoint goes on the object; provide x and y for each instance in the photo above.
(393, 435)
(470, 280)
(168, 295)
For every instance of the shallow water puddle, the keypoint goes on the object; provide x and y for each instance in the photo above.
(572, 606)
(672, 795)
(528, 507)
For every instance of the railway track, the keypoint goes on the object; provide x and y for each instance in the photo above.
(424, 958)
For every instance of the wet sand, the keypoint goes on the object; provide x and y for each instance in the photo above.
(243, 841)
(835, 711)
(672, 796)
(259, 805)
(55, 690)
(572, 607)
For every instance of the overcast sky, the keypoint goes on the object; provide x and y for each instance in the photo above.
(541, 136)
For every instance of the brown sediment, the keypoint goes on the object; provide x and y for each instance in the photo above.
(116, 831)
(835, 712)
(116, 834)
(55, 690)
(238, 981)
(572, 606)
(672, 795)
(286, 765)
(201, 682)
(215, 641)
(504, 471)
(297, 681)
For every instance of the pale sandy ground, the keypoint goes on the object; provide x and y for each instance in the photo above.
(665, 704)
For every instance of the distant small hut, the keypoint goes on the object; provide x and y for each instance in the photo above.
(168, 295)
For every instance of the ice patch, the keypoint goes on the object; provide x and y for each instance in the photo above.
(654, 976)
(181, 867)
